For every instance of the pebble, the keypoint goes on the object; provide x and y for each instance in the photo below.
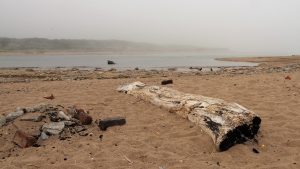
(53, 128)
(62, 115)
(255, 150)
(2, 120)
(13, 115)
(165, 82)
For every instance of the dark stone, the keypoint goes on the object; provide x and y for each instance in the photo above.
(53, 115)
(165, 82)
(23, 139)
(108, 122)
(109, 62)
(255, 151)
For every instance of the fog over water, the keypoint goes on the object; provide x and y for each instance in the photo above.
(269, 27)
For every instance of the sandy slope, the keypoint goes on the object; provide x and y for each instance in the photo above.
(153, 137)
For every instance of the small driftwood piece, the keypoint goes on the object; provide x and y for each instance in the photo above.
(226, 123)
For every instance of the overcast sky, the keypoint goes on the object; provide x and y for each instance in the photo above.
(259, 26)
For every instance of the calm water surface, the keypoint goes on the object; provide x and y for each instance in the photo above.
(122, 62)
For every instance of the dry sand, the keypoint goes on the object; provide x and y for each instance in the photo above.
(152, 137)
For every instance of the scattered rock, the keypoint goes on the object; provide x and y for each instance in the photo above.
(112, 70)
(110, 62)
(197, 68)
(70, 123)
(43, 136)
(83, 117)
(35, 133)
(53, 128)
(53, 115)
(108, 122)
(165, 82)
(62, 115)
(83, 133)
(288, 78)
(2, 120)
(51, 97)
(36, 117)
(79, 128)
(172, 69)
(42, 108)
(23, 139)
(255, 150)
(13, 115)
(72, 130)
(65, 134)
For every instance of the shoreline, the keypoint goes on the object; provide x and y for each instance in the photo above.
(265, 65)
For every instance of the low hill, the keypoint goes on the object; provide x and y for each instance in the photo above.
(49, 45)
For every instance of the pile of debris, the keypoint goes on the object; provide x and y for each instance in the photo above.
(60, 121)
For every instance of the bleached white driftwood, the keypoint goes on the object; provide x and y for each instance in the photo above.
(226, 123)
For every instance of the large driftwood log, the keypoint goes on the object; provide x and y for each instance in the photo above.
(226, 123)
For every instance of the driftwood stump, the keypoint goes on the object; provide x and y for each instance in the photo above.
(226, 123)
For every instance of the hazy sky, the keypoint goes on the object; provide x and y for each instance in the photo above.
(269, 26)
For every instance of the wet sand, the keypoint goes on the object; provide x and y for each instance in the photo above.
(152, 137)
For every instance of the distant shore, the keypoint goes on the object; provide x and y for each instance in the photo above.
(101, 53)
(270, 60)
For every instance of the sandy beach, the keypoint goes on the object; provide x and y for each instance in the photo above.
(153, 137)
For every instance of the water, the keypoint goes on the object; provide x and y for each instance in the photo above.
(122, 62)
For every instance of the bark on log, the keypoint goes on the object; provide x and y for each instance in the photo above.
(226, 123)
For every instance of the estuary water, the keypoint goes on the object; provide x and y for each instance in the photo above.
(122, 62)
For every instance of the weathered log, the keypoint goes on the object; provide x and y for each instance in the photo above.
(226, 123)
